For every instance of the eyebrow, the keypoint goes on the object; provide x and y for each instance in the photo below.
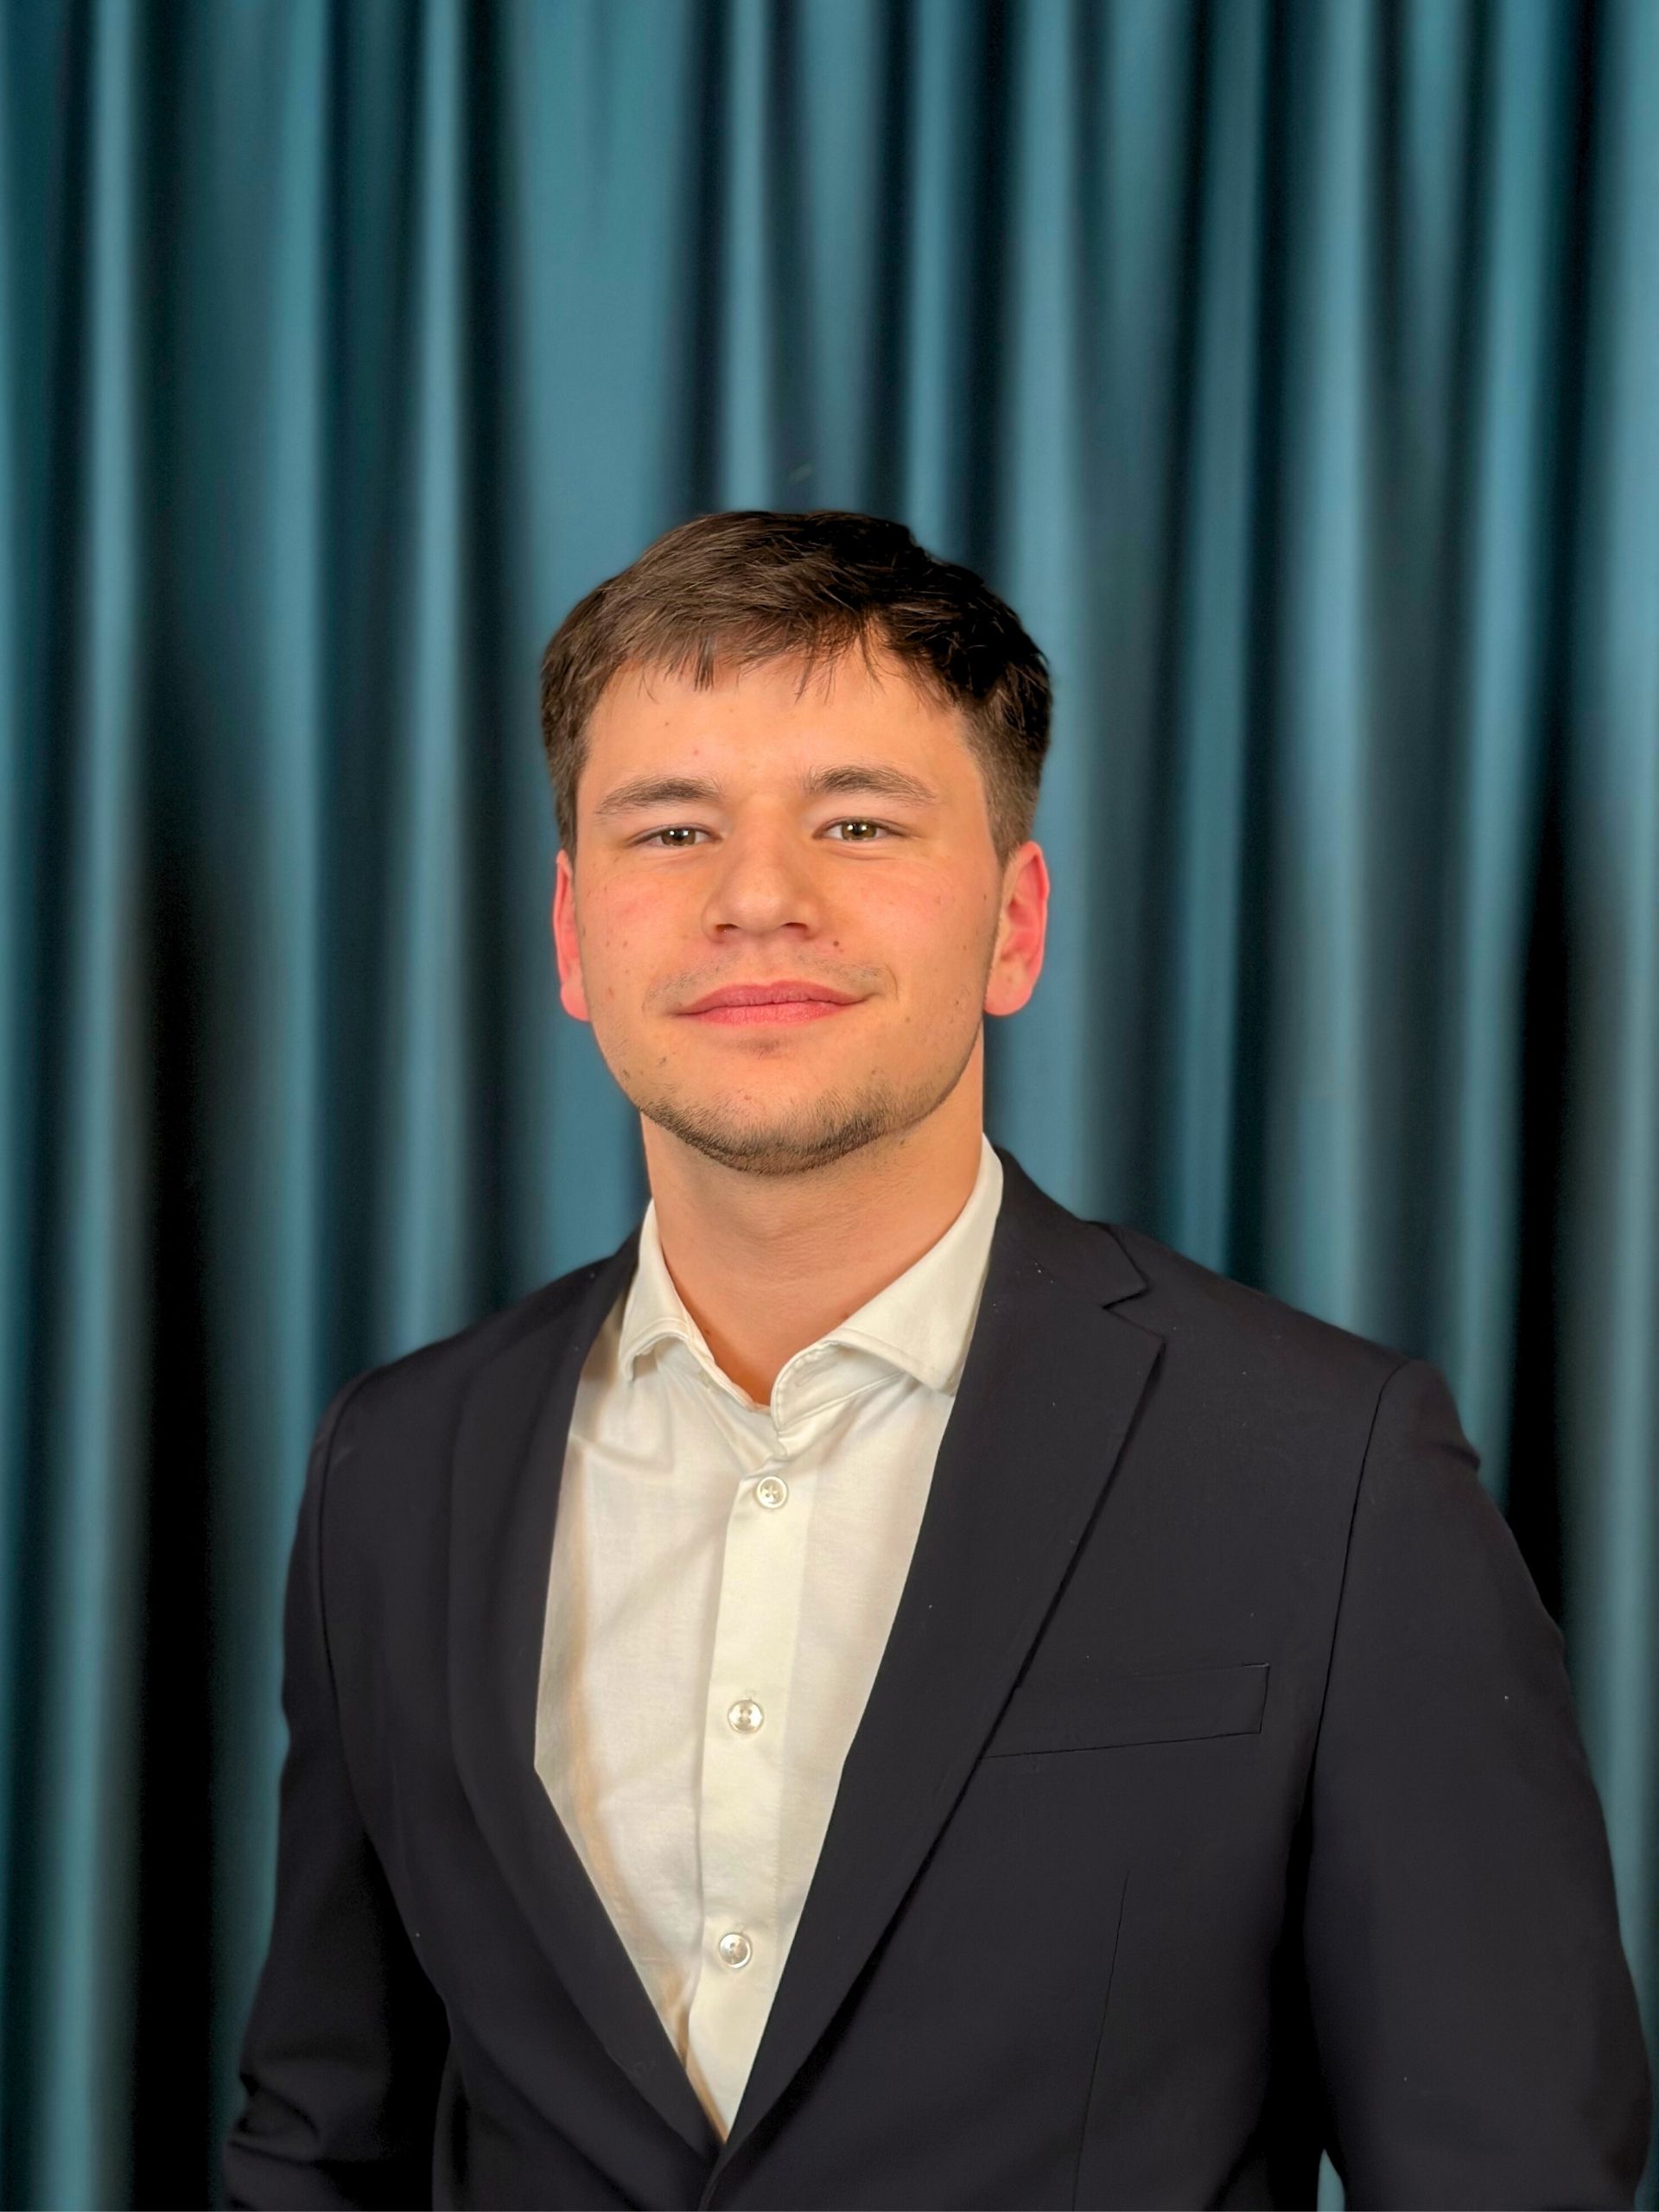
(642, 792)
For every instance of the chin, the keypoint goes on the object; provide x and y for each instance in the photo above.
(774, 1140)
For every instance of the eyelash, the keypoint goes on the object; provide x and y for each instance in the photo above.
(862, 820)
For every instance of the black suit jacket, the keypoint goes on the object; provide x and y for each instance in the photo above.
(1219, 1797)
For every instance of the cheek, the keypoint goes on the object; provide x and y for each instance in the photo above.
(933, 937)
(628, 924)
(946, 928)
(918, 911)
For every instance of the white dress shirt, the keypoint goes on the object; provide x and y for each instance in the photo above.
(724, 1578)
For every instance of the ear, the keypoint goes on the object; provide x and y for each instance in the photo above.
(1021, 930)
(572, 997)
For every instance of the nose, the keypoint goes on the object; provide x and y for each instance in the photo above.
(763, 881)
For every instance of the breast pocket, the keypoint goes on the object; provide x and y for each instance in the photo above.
(1162, 1708)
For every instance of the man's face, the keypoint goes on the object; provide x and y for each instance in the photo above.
(710, 854)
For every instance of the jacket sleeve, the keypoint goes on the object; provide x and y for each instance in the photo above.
(346, 2039)
(1473, 2013)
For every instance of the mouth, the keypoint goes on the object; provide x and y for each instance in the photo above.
(771, 1005)
(772, 1013)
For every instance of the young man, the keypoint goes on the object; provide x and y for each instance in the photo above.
(881, 1692)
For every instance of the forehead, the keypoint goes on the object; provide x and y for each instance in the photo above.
(786, 700)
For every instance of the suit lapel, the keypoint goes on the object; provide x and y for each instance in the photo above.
(1047, 1395)
(509, 1460)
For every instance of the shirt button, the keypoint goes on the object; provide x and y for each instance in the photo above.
(770, 1491)
(735, 1948)
(744, 1716)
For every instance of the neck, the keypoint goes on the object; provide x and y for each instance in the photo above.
(765, 1265)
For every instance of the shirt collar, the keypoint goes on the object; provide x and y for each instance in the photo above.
(920, 1322)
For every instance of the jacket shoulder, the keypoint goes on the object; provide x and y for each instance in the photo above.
(1214, 1317)
(430, 1381)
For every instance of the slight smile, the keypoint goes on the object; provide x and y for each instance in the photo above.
(773, 1014)
(770, 1004)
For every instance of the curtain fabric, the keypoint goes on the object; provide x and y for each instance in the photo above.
(1292, 368)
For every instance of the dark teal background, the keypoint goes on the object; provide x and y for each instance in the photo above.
(1293, 369)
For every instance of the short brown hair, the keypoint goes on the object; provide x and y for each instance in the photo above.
(750, 586)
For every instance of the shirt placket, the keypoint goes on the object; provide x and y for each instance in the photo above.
(740, 1803)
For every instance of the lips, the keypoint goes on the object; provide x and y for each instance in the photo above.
(768, 1006)
(761, 994)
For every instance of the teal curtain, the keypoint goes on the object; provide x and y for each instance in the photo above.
(1292, 368)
